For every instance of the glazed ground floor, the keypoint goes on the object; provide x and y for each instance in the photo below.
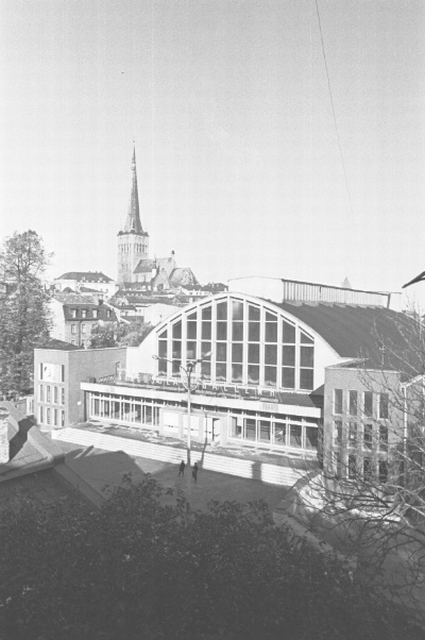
(218, 422)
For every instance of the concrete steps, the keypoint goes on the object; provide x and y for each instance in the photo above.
(270, 473)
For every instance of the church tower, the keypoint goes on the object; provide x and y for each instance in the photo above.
(133, 242)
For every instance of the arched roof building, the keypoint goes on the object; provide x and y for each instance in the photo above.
(256, 368)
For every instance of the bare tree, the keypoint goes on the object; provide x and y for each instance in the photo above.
(369, 500)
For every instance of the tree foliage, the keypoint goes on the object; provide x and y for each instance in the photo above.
(119, 334)
(24, 314)
(147, 566)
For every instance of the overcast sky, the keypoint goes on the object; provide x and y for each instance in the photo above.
(238, 161)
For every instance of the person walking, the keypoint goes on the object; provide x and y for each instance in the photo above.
(195, 472)
(182, 468)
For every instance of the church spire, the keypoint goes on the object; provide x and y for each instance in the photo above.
(132, 222)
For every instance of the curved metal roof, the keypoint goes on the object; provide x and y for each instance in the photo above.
(385, 337)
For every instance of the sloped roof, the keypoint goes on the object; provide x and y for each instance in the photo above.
(182, 276)
(145, 265)
(30, 450)
(85, 276)
(89, 290)
(74, 299)
(385, 337)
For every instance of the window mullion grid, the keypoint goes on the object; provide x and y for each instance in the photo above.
(169, 350)
(213, 357)
(245, 344)
(261, 359)
(297, 358)
(229, 341)
(184, 340)
(279, 347)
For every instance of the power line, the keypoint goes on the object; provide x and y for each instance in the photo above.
(350, 203)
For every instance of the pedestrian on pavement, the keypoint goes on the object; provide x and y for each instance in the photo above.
(195, 472)
(181, 468)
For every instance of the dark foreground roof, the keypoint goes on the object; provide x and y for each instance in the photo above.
(388, 339)
(30, 450)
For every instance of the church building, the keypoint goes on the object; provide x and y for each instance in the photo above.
(136, 270)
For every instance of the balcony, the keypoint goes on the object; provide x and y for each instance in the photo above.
(267, 395)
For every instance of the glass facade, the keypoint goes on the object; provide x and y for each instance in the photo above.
(291, 432)
(124, 409)
(250, 345)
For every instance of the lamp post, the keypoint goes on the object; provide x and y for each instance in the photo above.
(188, 370)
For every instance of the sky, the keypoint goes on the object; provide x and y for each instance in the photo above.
(252, 158)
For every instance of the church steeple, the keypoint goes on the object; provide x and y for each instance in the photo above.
(132, 222)
(133, 242)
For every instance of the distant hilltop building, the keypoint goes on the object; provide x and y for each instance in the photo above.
(134, 264)
(82, 281)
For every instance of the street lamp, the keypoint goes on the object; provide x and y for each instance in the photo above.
(188, 370)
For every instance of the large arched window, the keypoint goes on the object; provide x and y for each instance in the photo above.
(249, 343)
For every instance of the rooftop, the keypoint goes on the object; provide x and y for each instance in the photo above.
(387, 338)
(85, 276)
(29, 450)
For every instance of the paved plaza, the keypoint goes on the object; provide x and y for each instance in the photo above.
(104, 470)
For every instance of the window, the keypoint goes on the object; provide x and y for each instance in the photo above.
(306, 379)
(352, 403)
(383, 437)
(271, 328)
(382, 471)
(306, 361)
(337, 400)
(62, 396)
(352, 434)
(55, 395)
(40, 393)
(368, 436)
(48, 393)
(249, 428)
(368, 404)
(367, 468)
(288, 332)
(55, 417)
(295, 438)
(383, 406)
(338, 431)
(41, 415)
(62, 418)
(83, 328)
(41, 371)
(84, 313)
(73, 313)
(95, 313)
(73, 329)
(62, 373)
(191, 327)
(352, 466)
(264, 430)
(236, 428)
(280, 433)
(311, 438)
(48, 415)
